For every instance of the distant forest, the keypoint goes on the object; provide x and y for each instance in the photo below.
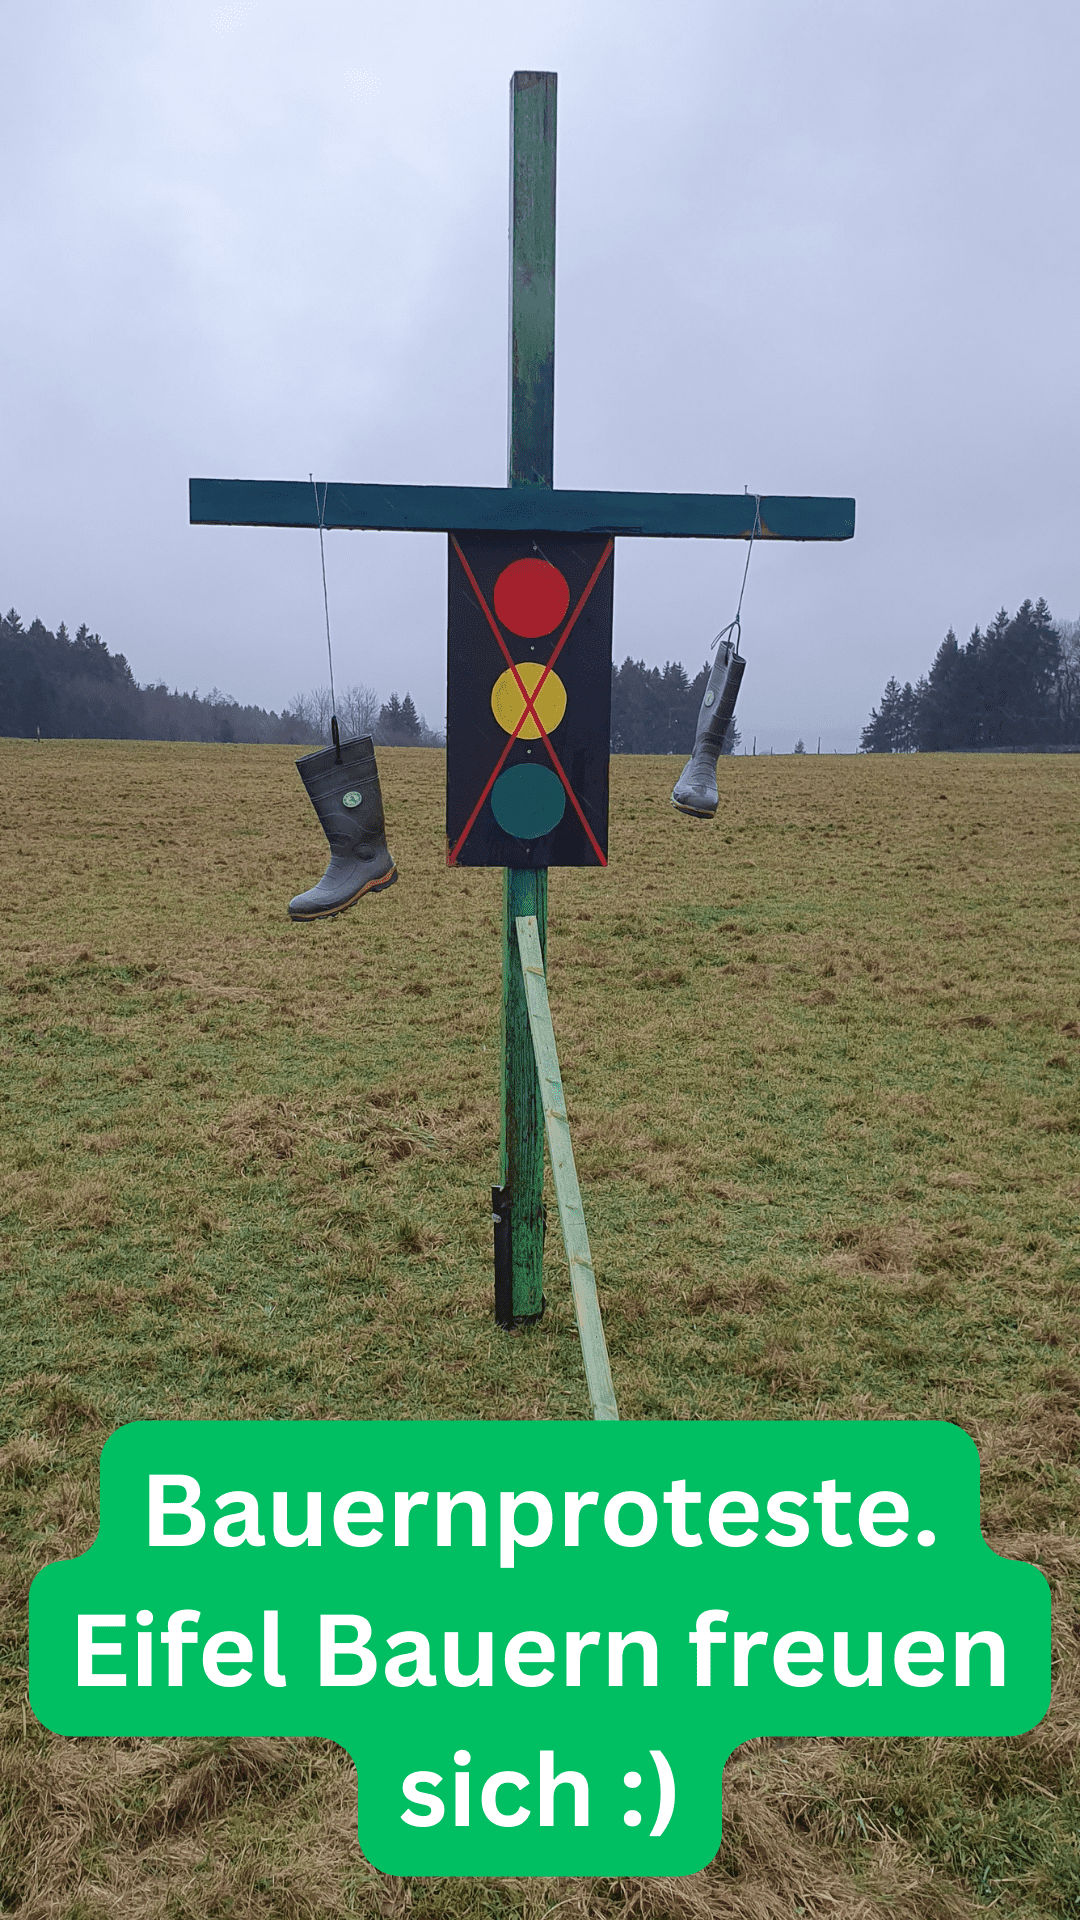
(1016, 685)
(655, 709)
(72, 687)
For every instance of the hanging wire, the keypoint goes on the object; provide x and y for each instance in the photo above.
(335, 734)
(735, 626)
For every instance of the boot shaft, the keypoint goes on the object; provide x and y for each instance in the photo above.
(718, 704)
(345, 794)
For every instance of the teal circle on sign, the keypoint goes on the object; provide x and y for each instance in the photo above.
(528, 801)
(351, 799)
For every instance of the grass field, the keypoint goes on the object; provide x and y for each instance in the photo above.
(822, 1064)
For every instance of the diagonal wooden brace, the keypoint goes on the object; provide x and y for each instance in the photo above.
(571, 1214)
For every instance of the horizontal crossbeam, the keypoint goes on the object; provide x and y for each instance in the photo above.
(663, 516)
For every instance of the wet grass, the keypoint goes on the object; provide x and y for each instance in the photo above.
(823, 1065)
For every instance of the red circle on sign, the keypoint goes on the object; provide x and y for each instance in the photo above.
(531, 597)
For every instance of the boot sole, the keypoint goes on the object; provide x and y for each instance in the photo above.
(331, 913)
(696, 813)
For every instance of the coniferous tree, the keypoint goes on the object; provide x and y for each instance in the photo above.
(1018, 683)
(655, 710)
(1068, 681)
(939, 719)
(399, 724)
(1015, 685)
(410, 720)
(389, 718)
(890, 729)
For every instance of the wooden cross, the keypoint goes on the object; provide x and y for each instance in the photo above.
(529, 503)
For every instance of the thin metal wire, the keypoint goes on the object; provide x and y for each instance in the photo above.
(320, 510)
(735, 626)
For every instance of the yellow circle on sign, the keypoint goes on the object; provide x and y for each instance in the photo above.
(508, 705)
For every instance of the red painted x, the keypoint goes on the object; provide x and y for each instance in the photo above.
(529, 709)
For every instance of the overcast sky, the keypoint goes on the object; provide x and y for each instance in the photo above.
(823, 246)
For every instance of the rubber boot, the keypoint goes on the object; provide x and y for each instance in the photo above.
(346, 797)
(695, 790)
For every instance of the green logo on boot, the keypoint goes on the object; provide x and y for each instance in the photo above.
(351, 799)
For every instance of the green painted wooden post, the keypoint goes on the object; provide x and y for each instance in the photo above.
(530, 463)
(531, 421)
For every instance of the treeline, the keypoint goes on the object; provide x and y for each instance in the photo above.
(391, 723)
(1016, 685)
(72, 687)
(655, 709)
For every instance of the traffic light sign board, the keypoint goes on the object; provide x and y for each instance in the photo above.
(528, 703)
